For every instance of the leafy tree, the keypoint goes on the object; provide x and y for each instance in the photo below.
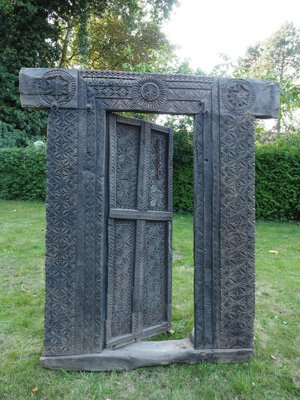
(79, 22)
(117, 44)
(277, 58)
(26, 39)
(40, 33)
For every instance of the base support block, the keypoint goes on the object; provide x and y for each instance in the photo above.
(145, 354)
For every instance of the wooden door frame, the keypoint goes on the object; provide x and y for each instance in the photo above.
(224, 111)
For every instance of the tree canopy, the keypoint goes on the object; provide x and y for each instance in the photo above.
(277, 59)
(26, 39)
(115, 43)
(64, 33)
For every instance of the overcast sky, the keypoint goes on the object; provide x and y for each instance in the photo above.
(203, 29)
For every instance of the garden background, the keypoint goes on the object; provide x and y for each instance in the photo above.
(122, 35)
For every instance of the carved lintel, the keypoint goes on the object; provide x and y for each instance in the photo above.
(48, 88)
(249, 96)
(174, 94)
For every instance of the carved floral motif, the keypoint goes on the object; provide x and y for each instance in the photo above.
(57, 87)
(238, 96)
(149, 93)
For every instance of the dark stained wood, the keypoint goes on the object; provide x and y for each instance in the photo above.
(97, 218)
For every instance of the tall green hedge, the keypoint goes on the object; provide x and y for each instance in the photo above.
(183, 187)
(277, 182)
(22, 176)
(23, 173)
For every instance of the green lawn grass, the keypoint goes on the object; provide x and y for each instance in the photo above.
(274, 373)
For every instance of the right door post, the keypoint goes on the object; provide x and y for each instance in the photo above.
(224, 216)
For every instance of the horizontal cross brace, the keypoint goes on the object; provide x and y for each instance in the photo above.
(142, 215)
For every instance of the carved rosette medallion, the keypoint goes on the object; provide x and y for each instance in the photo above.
(150, 93)
(238, 96)
(57, 87)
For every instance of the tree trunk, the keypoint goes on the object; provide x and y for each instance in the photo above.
(63, 63)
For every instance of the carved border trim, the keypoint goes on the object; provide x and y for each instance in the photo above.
(61, 232)
(224, 317)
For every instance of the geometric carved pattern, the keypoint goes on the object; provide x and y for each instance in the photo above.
(61, 231)
(199, 232)
(138, 186)
(238, 96)
(237, 231)
(125, 91)
(158, 172)
(139, 260)
(128, 144)
(155, 301)
(99, 276)
(151, 93)
(123, 277)
(105, 75)
(57, 87)
(90, 162)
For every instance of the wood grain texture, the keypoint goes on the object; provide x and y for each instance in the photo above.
(146, 354)
(109, 214)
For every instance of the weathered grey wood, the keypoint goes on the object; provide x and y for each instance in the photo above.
(146, 354)
(136, 214)
(139, 263)
(45, 88)
(172, 94)
(83, 204)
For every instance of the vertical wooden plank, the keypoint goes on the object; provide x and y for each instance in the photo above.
(112, 122)
(110, 279)
(207, 222)
(62, 205)
(216, 216)
(169, 229)
(169, 274)
(237, 231)
(90, 170)
(138, 303)
(127, 144)
(198, 231)
(79, 333)
(101, 218)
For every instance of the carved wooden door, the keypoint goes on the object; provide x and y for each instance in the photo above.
(139, 230)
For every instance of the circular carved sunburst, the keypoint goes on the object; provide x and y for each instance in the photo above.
(149, 93)
(57, 87)
(238, 96)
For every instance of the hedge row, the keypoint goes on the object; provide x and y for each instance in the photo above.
(277, 184)
(23, 173)
(22, 176)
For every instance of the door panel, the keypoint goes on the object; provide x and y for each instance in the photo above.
(139, 230)
(124, 235)
(155, 275)
(127, 165)
(158, 171)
